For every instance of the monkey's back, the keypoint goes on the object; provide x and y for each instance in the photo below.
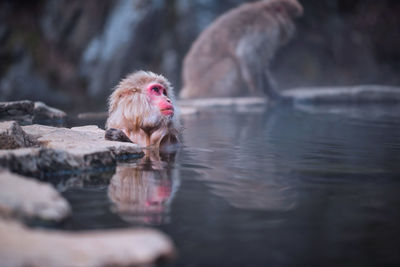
(211, 63)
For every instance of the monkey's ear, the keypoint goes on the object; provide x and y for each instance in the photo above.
(135, 90)
(127, 92)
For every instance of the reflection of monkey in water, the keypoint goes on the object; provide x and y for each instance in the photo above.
(142, 110)
(233, 53)
(142, 192)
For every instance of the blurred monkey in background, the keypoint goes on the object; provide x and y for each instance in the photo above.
(231, 57)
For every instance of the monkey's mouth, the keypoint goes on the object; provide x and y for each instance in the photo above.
(167, 111)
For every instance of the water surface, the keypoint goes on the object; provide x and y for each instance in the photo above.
(311, 186)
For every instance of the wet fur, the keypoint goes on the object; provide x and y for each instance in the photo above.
(131, 112)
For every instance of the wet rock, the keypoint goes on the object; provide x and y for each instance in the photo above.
(66, 151)
(20, 246)
(236, 102)
(93, 116)
(39, 162)
(336, 95)
(26, 112)
(23, 197)
(85, 140)
(21, 111)
(187, 111)
(12, 136)
(190, 107)
(42, 112)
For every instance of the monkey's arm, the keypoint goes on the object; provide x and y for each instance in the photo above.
(113, 134)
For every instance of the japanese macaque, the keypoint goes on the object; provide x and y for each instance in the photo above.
(231, 57)
(142, 110)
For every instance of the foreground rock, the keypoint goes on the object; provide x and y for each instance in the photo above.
(27, 112)
(12, 136)
(20, 246)
(336, 95)
(64, 151)
(23, 197)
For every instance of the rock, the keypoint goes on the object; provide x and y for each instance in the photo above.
(205, 103)
(42, 112)
(187, 111)
(45, 163)
(20, 246)
(37, 130)
(23, 197)
(86, 140)
(190, 107)
(66, 151)
(21, 111)
(18, 160)
(27, 112)
(12, 136)
(93, 116)
(335, 95)
(93, 129)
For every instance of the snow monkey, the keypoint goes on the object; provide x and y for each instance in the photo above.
(142, 110)
(231, 57)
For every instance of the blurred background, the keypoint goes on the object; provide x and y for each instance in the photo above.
(71, 53)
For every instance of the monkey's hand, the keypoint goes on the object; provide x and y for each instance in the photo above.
(113, 134)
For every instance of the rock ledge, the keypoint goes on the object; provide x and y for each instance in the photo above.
(24, 197)
(20, 246)
(27, 112)
(59, 150)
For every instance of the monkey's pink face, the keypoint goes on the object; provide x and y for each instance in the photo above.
(159, 97)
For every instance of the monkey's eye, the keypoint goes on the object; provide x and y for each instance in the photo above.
(164, 92)
(156, 89)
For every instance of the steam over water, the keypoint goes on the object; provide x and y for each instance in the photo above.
(313, 185)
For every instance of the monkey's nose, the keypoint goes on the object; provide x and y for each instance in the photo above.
(169, 100)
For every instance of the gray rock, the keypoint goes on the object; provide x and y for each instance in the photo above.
(93, 116)
(23, 197)
(26, 112)
(44, 112)
(85, 140)
(335, 95)
(190, 107)
(188, 111)
(20, 246)
(39, 162)
(65, 151)
(17, 110)
(12, 136)
(205, 103)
